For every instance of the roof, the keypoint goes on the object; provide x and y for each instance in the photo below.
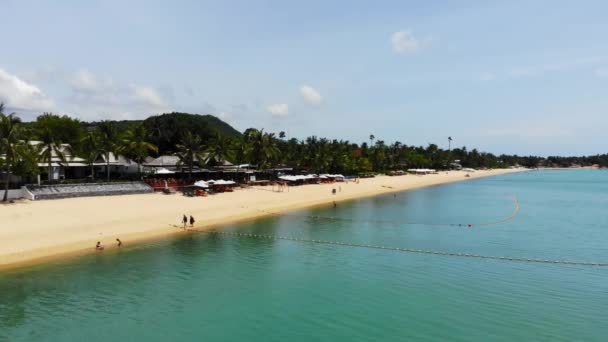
(163, 161)
(66, 149)
(114, 159)
(167, 160)
(69, 164)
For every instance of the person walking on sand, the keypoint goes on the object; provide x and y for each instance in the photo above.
(185, 221)
(191, 221)
(99, 246)
(118, 242)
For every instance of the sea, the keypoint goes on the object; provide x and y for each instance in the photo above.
(441, 263)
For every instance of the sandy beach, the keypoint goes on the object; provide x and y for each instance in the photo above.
(38, 231)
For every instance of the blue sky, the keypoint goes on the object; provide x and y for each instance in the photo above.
(526, 77)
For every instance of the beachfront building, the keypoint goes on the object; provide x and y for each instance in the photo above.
(167, 162)
(118, 164)
(70, 166)
(455, 165)
(173, 163)
(73, 167)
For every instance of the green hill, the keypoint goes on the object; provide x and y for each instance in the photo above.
(167, 129)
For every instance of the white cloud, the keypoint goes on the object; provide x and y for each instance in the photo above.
(279, 109)
(601, 72)
(94, 97)
(19, 94)
(487, 76)
(310, 95)
(404, 42)
(84, 80)
(148, 96)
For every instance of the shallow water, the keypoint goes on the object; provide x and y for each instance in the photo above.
(225, 288)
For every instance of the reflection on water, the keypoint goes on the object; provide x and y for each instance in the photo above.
(212, 287)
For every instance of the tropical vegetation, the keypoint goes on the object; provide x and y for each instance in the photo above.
(204, 140)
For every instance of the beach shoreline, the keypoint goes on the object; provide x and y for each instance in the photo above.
(39, 232)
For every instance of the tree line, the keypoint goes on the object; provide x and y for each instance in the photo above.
(204, 141)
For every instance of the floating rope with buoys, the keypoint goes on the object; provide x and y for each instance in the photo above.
(403, 250)
(512, 216)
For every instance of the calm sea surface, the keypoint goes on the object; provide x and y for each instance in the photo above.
(227, 288)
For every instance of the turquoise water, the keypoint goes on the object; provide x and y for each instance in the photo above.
(222, 288)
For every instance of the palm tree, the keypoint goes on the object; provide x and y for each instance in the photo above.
(90, 150)
(28, 157)
(191, 150)
(9, 142)
(108, 142)
(264, 148)
(51, 146)
(220, 149)
(371, 140)
(449, 143)
(241, 150)
(136, 144)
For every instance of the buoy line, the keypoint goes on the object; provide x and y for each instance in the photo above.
(512, 216)
(404, 250)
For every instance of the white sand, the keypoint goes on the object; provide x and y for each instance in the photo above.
(33, 232)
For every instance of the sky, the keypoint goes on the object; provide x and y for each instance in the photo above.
(518, 77)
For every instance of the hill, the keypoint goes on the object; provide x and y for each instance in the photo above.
(167, 129)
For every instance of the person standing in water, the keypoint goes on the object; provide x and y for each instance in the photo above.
(191, 221)
(185, 220)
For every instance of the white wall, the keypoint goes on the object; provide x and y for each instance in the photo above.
(12, 194)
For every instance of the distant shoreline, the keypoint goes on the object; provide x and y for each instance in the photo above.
(42, 231)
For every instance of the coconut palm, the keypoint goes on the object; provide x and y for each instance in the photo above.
(191, 150)
(241, 149)
(91, 148)
(263, 147)
(50, 145)
(220, 149)
(108, 142)
(135, 143)
(27, 163)
(9, 142)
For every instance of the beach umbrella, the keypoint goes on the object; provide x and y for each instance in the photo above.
(163, 171)
(223, 182)
(201, 184)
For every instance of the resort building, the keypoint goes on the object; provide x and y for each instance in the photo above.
(117, 163)
(70, 166)
(173, 163)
